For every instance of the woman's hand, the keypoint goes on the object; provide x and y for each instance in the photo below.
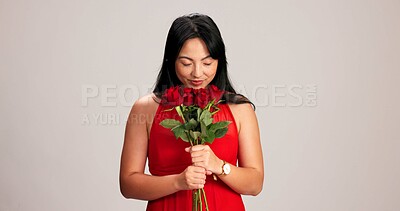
(205, 162)
(193, 177)
(203, 156)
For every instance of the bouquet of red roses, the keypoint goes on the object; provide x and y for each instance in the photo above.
(196, 108)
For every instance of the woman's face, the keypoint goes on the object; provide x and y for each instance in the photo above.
(194, 66)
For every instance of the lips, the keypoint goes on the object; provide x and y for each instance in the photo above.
(196, 82)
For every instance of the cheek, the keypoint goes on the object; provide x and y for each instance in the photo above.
(182, 73)
(210, 72)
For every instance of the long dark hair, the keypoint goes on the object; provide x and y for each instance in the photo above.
(196, 26)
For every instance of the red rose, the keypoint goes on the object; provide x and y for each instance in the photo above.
(201, 97)
(188, 96)
(172, 97)
(215, 93)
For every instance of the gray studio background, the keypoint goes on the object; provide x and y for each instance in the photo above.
(323, 75)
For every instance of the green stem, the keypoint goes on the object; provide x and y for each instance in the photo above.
(200, 202)
(179, 111)
(205, 198)
(190, 138)
(195, 200)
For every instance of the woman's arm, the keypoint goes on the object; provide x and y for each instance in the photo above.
(133, 182)
(249, 176)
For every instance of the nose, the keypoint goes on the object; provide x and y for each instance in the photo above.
(197, 72)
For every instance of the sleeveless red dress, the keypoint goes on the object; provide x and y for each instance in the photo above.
(166, 156)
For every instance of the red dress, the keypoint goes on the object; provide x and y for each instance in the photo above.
(166, 156)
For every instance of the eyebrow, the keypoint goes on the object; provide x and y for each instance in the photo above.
(186, 57)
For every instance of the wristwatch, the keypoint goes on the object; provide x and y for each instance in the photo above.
(226, 168)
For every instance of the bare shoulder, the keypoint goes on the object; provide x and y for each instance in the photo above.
(146, 102)
(242, 112)
(143, 110)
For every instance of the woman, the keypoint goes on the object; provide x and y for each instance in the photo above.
(194, 57)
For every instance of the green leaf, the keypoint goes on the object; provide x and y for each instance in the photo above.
(191, 124)
(206, 117)
(184, 137)
(178, 131)
(170, 123)
(203, 128)
(210, 137)
(221, 132)
(219, 125)
(207, 121)
(205, 114)
(199, 110)
(195, 134)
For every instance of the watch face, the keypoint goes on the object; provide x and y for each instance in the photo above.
(227, 168)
